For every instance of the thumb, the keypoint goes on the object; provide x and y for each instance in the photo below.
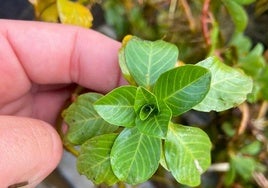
(29, 150)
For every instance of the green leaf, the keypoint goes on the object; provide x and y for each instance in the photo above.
(228, 129)
(145, 100)
(230, 176)
(146, 111)
(117, 107)
(242, 43)
(163, 161)
(83, 121)
(122, 61)
(244, 2)
(244, 166)
(74, 13)
(263, 82)
(94, 159)
(147, 60)
(229, 86)
(252, 149)
(135, 156)
(238, 14)
(157, 123)
(183, 87)
(187, 152)
(115, 15)
(253, 62)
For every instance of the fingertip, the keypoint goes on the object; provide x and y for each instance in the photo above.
(29, 150)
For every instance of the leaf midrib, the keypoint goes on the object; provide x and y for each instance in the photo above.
(134, 156)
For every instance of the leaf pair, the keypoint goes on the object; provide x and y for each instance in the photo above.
(129, 106)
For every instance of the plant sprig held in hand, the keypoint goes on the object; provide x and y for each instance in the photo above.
(125, 135)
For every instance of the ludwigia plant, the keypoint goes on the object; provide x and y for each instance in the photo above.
(126, 134)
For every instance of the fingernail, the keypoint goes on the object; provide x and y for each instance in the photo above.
(17, 185)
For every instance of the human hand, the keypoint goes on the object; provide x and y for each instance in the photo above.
(38, 64)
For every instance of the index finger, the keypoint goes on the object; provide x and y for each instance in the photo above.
(53, 53)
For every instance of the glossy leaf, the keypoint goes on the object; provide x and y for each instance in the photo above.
(187, 152)
(157, 123)
(238, 14)
(229, 86)
(74, 13)
(83, 121)
(117, 107)
(135, 156)
(94, 159)
(147, 60)
(183, 87)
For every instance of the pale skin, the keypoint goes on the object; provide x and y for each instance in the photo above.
(38, 64)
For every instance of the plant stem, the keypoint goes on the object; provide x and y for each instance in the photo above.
(205, 21)
(121, 185)
(188, 14)
(71, 149)
(245, 118)
(171, 12)
(263, 110)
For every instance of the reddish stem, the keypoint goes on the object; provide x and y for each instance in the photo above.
(204, 21)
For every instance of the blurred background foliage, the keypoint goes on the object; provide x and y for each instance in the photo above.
(234, 30)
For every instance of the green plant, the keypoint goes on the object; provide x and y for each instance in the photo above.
(125, 134)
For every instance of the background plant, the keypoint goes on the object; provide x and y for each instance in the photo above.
(239, 135)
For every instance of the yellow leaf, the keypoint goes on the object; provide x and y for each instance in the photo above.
(45, 10)
(50, 14)
(74, 13)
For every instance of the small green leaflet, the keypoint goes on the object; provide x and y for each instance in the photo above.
(187, 153)
(135, 156)
(94, 159)
(229, 86)
(156, 124)
(145, 104)
(83, 121)
(117, 107)
(183, 87)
